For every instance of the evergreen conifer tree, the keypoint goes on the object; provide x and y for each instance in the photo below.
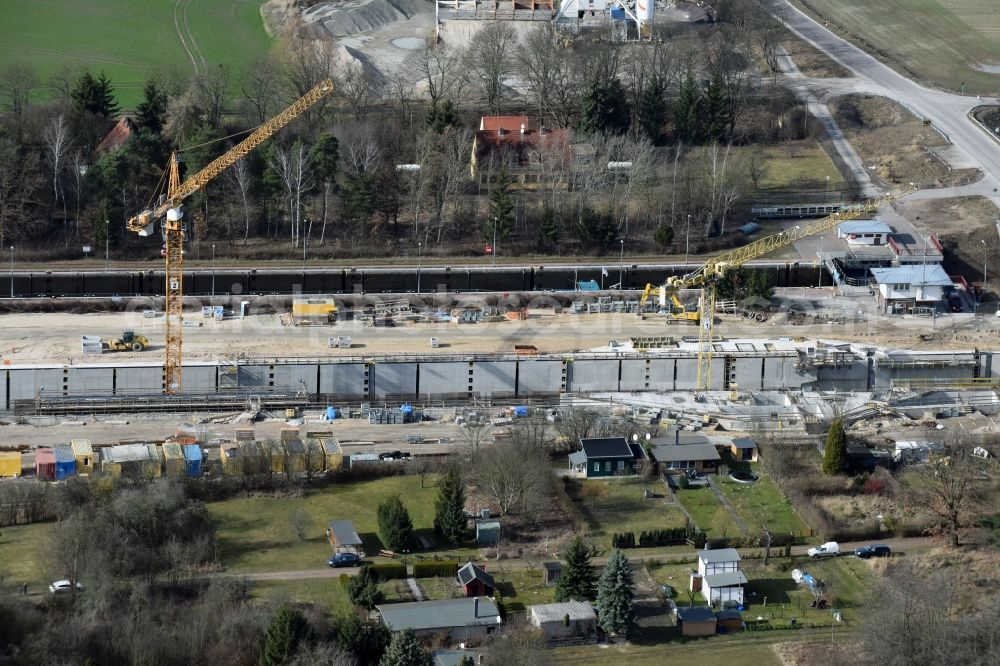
(614, 595)
(716, 118)
(576, 581)
(688, 111)
(405, 650)
(394, 524)
(288, 628)
(449, 510)
(835, 451)
(363, 590)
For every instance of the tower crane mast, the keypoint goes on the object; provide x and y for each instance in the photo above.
(706, 276)
(169, 210)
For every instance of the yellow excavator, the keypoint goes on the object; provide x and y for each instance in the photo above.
(169, 210)
(676, 312)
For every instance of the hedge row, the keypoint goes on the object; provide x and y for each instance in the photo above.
(389, 570)
(435, 569)
(653, 538)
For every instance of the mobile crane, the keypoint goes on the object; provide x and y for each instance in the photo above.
(169, 211)
(707, 276)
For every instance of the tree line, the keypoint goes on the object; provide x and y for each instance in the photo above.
(675, 110)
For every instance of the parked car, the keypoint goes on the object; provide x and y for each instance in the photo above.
(64, 587)
(828, 549)
(345, 560)
(873, 550)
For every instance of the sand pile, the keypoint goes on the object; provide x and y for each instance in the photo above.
(349, 17)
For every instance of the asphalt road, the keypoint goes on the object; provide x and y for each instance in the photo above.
(947, 111)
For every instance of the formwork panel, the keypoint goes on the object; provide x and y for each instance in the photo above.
(593, 375)
(491, 377)
(633, 374)
(687, 374)
(92, 381)
(25, 383)
(199, 378)
(748, 372)
(446, 377)
(296, 377)
(394, 378)
(146, 379)
(661, 374)
(347, 379)
(539, 376)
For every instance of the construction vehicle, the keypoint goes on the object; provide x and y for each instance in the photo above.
(676, 311)
(128, 341)
(168, 210)
(707, 276)
(313, 311)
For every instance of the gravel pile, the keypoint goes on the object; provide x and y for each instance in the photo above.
(340, 19)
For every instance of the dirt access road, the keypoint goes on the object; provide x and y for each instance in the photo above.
(904, 546)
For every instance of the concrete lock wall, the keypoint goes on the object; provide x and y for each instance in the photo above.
(490, 377)
(297, 377)
(748, 373)
(24, 384)
(253, 376)
(96, 381)
(343, 379)
(539, 376)
(393, 379)
(446, 377)
(593, 375)
(146, 379)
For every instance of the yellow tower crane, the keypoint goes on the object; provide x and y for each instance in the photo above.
(169, 210)
(706, 276)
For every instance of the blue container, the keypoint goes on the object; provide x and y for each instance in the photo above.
(65, 462)
(617, 14)
(331, 413)
(520, 412)
(192, 460)
(406, 408)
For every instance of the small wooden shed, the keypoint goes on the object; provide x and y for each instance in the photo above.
(551, 572)
(333, 454)
(696, 621)
(475, 581)
(342, 536)
(45, 464)
(295, 456)
(315, 459)
(173, 460)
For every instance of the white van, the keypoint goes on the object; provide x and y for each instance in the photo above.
(828, 549)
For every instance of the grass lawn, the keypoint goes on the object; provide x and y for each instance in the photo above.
(762, 500)
(945, 42)
(254, 534)
(708, 512)
(326, 592)
(20, 551)
(624, 509)
(798, 165)
(130, 40)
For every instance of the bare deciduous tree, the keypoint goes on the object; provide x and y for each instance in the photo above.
(293, 168)
(491, 57)
(948, 488)
(57, 144)
(210, 90)
(261, 89)
(238, 177)
(361, 87)
(511, 474)
(438, 69)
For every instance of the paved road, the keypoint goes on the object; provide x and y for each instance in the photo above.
(898, 546)
(947, 111)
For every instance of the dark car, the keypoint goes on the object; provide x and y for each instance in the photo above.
(345, 560)
(874, 550)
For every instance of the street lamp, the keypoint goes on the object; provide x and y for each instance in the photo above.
(418, 266)
(687, 244)
(982, 293)
(107, 252)
(621, 265)
(12, 271)
(827, 189)
(496, 221)
(213, 269)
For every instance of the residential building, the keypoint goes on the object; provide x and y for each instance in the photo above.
(475, 581)
(529, 158)
(117, 137)
(454, 657)
(566, 620)
(719, 578)
(676, 454)
(719, 560)
(606, 456)
(902, 289)
(465, 619)
(696, 620)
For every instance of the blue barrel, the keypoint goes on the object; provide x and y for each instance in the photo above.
(331, 413)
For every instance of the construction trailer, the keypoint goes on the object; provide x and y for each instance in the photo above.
(192, 460)
(131, 460)
(10, 464)
(313, 311)
(65, 461)
(84, 452)
(45, 463)
(174, 464)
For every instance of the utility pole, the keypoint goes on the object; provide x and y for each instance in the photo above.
(687, 244)
(213, 269)
(982, 292)
(621, 265)
(418, 266)
(107, 252)
(496, 221)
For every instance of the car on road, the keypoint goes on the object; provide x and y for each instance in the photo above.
(873, 550)
(345, 560)
(828, 549)
(64, 587)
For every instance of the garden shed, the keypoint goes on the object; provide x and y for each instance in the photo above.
(475, 581)
(84, 453)
(45, 463)
(551, 572)
(487, 532)
(342, 536)
(696, 621)
(173, 457)
(567, 620)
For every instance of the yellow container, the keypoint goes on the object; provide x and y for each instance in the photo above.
(10, 464)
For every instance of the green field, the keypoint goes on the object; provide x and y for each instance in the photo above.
(20, 552)
(707, 512)
(254, 533)
(763, 501)
(130, 40)
(939, 41)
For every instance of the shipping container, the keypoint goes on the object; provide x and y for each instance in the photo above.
(10, 464)
(45, 464)
(65, 461)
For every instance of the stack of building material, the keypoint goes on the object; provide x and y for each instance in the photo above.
(91, 344)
